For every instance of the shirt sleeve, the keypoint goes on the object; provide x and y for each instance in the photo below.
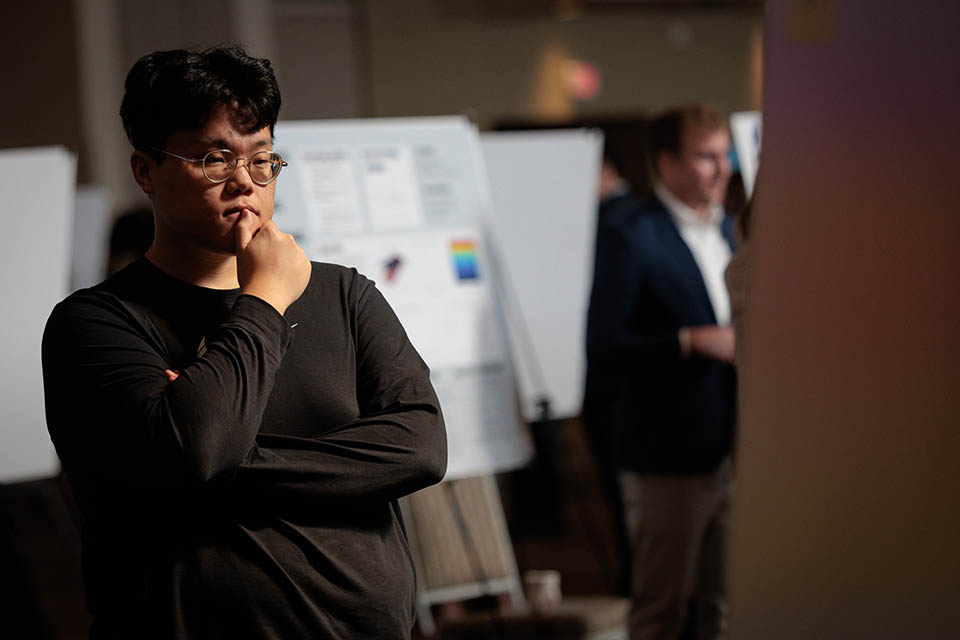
(116, 420)
(616, 343)
(395, 447)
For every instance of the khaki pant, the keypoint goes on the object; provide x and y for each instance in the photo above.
(678, 536)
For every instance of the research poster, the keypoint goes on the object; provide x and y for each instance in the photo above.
(349, 177)
(405, 202)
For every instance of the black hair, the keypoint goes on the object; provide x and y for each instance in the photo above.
(668, 128)
(132, 231)
(168, 91)
(613, 152)
(130, 237)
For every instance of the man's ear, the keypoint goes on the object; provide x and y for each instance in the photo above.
(142, 166)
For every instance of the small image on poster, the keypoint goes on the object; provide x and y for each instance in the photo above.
(465, 259)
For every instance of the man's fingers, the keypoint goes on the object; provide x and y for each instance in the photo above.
(243, 231)
(269, 226)
(171, 375)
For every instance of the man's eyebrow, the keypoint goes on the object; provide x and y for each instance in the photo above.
(220, 143)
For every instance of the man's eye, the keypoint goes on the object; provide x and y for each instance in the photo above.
(212, 159)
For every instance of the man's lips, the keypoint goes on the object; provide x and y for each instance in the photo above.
(235, 211)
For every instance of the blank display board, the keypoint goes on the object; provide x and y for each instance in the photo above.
(544, 186)
(845, 519)
(91, 235)
(37, 192)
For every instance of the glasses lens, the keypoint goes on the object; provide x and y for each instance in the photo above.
(265, 166)
(219, 165)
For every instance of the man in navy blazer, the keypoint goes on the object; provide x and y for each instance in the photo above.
(658, 330)
(600, 390)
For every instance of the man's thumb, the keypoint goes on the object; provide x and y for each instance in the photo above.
(243, 230)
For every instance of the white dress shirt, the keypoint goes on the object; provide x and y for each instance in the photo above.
(708, 246)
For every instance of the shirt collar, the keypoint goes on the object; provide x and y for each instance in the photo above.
(683, 214)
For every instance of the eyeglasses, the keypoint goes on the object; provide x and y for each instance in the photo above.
(218, 166)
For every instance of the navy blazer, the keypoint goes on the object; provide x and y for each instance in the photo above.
(669, 413)
(599, 393)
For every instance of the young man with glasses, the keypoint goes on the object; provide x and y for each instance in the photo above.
(237, 423)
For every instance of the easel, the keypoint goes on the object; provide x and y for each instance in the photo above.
(457, 529)
(460, 545)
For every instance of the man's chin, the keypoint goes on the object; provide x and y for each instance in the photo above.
(225, 246)
(717, 197)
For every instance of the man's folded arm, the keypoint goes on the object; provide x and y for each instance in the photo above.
(395, 447)
(111, 409)
(377, 458)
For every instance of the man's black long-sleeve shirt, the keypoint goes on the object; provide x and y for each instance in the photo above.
(254, 496)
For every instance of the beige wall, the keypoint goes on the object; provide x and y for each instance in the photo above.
(429, 58)
(319, 65)
(40, 88)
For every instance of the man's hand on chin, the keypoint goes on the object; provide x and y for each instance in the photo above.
(270, 264)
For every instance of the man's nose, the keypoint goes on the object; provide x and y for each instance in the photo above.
(723, 163)
(241, 178)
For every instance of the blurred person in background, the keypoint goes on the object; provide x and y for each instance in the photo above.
(130, 237)
(737, 275)
(658, 329)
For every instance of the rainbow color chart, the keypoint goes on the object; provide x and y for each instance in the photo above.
(465, 259)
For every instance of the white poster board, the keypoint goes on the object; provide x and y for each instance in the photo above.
(746, 130)
(544, 186)
(91, 236)
(37, 192)
(404, 201)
